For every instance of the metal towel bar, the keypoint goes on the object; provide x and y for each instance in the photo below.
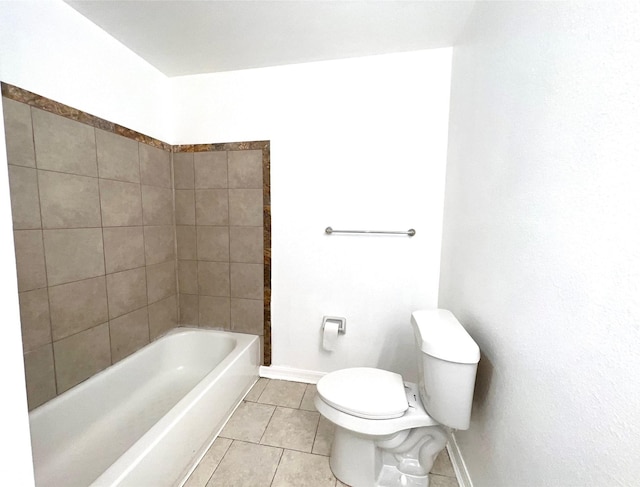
(411, 232)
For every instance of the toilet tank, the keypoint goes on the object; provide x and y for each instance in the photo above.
(447, 361)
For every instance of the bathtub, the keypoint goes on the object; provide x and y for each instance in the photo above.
(148, 419)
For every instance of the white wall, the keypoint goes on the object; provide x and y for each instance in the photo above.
(541, 245)
(50, 49)
(358, 143)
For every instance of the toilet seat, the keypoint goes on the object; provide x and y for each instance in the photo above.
(414, 417)
(365, 392)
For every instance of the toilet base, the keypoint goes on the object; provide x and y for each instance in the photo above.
(401, 459)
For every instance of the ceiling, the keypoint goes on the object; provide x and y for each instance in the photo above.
(193, 37)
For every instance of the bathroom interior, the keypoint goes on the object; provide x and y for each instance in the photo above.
(507, 138)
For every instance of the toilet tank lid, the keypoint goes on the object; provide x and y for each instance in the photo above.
(440, 334)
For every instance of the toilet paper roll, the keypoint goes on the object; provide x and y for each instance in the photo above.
(330, 336)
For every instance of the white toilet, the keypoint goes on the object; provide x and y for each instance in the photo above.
(389, 432)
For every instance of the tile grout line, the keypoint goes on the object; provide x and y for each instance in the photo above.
(44, 255)
(104, 258)
(219, 463)
(175, 235)
(144, 245)
(275, 472)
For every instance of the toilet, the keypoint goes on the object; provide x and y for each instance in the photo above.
(388, 432)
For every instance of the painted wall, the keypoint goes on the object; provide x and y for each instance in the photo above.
(50, 49)
(358, 143)
(541, 241)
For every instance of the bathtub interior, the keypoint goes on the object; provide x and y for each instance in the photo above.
(80, 434)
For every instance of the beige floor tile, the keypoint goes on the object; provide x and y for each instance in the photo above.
(246, 465)
(256, 390)
(208, 464)
(248, 422)
(299, 469)
(283, 393)
(324, 437)
(340, 484)
(291, 428)
(442, 465)
(441, 481)
(307, 399)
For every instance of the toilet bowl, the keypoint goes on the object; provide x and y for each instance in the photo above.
(388, 432)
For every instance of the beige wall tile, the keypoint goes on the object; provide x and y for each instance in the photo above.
(185, 207)
(34, 319)
(183, 170)
(29, 259)
(73, 254)
(126, 291)
(212, 207)
(247, 316)
(163, 316)
(161, 281)
(157, 205)
(123, 248)
(210, 169)
(25, 202)
(39, 375)
(233, 467)
(155, 166)
(247, 281)
(117, 157)
(121, 203)
(159, 244)
(215, 312)
(189, 309)
(63, 144)
(18, 130)
(68, 201)
(245, 207)
(80, 356)
(245, 169)
(186, 238)
(213, 278)
(298, 468)
(213, 243)
(246, 244)
(77, 306)
(128, 333)
(188, 276)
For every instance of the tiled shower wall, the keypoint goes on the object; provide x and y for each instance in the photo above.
(95, 207)
(95, 247)
(219, 226)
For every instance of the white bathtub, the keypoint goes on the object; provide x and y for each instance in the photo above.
(146, 420)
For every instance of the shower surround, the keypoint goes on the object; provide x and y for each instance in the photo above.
(120, 237)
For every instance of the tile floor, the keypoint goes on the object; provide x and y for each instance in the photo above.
(276, 438)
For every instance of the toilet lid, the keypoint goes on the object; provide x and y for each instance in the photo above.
(365, 392)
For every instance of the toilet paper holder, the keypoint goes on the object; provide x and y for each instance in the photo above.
(342, 323)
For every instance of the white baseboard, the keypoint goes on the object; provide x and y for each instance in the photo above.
(288, 373)
(459, 467)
